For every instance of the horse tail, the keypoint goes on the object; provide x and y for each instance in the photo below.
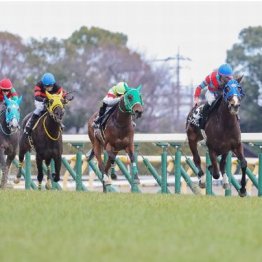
(90, 154)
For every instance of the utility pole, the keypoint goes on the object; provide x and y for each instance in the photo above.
(176, 90)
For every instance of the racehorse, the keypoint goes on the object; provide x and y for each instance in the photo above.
(223, 134)
(9, 126)
(46, 139)
(118, 133)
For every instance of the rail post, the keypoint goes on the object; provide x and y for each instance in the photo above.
(177, 170)
(164, 147)
(72, 172)
(208, 175)
(79, 147)
(130, 178)
(27, 170)
(260, 172)
(228, 191)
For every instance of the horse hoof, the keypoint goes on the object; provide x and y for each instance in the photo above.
(202, 185)
(216, 176)
(39, 187)
(226, 186)
(17, 180)
(56, 177)
(242, 192)
(104, 188)
(114, 176)
(48, 185)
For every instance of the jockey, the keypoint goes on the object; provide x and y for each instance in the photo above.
(215, 83)
(7, 89)
(47, 83)
(113, 97)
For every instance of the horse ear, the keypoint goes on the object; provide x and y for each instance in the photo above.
(239, 79)
(6, 100)
(127, 88)
(48, 95)
(139, 88)
(19, 100)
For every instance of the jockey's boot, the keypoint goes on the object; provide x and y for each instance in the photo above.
(205, 113)
(30, 124)
(97, 121)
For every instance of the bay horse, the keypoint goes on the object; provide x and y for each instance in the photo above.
(118, 133)
(223, 134)
(9, 126)
(46, 139)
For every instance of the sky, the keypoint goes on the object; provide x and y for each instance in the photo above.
(200, 30)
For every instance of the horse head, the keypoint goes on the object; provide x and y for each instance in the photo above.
(55, 106)
(133, 101)
(232, 94)
(12, 113)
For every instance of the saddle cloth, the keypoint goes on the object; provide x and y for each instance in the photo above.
(195, 115)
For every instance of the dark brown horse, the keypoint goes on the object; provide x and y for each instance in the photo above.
(46, 139)
(223, 134)
(118, 133)
(9, 127)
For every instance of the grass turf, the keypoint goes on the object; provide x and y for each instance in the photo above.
(80, 226)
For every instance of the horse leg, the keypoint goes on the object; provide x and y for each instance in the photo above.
(111, 163)
(213, 169)
(40, 174)
(23, 148)
(9, 160)
(243, 163)
(56, 175)
(222, 165)
(130, 150)
(105, 177)
(48, 184)
(3, 168)
(197, 160)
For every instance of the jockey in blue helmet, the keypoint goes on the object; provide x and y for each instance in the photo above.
(48, 79)
(215, 83)
(47, 83)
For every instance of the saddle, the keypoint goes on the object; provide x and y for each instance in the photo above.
(100, 134)
(106, 116)
(196, 113)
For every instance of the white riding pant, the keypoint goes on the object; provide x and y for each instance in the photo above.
(210, 97)
(39, 107)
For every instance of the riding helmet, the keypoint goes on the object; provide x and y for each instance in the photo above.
(120, 88)
(48, 79)
(225, 70)
(6, 84)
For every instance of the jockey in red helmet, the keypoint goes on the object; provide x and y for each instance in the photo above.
(215, 83)
(7, 89)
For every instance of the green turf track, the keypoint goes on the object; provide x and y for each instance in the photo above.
(78, 226)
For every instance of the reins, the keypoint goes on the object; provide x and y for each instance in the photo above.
(2, 129)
